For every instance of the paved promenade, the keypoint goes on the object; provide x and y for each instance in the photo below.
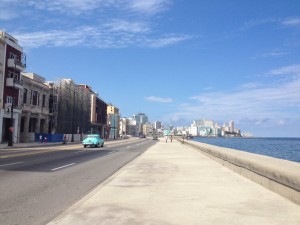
(174, 184)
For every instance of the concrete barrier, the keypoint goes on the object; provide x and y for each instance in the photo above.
(278, 175)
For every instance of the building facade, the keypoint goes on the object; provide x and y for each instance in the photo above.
(148, 129)
(140, 119)
(35, 107)
(12, 62)
(113, 120)
(98, 114)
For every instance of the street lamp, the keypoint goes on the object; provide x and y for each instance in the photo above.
(72, 137)
(114, 126)
(10, 141)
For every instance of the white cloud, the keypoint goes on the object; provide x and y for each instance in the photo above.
(159, 99)
(287, 70)
(91, 24)
(117, 34)
(77, 7)
(149, 6)
(291, 22)
(126, 26)
(274, 53)
(166, 40)
(255, 104)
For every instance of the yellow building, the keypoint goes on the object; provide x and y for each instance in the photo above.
(113, 120)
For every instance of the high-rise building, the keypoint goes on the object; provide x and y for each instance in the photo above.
(140, 119)
(12, 62)
(231, 126)
(157, 125)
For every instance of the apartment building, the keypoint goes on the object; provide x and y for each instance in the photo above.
(98, 113)
(113, 120)
(35, 106)
(12, 62)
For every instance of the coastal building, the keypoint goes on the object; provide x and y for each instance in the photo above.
(193, 130)
(204, 123)
(148, 129)
(157, 125)
(212, 128)
(12, 62)
(98, 112)
(35, 106)
(73, 107)
(231, 126)
(141, 119)
(113, 120)
(124, 122)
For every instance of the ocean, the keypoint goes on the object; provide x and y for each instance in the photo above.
(282, 148)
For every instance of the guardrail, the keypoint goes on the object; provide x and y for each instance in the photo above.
(278, 175)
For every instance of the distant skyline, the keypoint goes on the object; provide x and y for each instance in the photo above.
(176, 61)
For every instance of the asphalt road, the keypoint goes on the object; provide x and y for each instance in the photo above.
(37, 184)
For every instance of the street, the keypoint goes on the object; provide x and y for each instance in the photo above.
(38, 184)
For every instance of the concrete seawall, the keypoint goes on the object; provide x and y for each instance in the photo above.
(278, 175)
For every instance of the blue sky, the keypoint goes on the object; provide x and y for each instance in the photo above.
(174, 60)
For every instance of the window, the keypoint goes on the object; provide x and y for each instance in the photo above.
(34, 98)
(25, 96)
(44, 101)
(12, 56)
(12, 75)
(9, 99)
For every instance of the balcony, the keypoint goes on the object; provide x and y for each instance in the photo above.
(18, 64)
(10, 82)
(7, 107)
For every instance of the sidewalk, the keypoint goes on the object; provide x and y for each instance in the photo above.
(174, 184)
(31, 144)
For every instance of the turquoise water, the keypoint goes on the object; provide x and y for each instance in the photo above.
(282, 148)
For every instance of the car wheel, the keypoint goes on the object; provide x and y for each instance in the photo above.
(84, 146)
(102, 145)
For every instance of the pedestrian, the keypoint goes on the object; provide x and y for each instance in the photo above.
(65, 139)
(166, 137)
(45, 140)
(41, 139)
(171, 138)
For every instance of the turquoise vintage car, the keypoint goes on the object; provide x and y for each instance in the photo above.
(93, 140)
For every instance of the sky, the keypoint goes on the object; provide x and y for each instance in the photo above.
(174, 60)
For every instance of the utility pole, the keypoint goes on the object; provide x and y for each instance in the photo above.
(11, 129)
(72, 138)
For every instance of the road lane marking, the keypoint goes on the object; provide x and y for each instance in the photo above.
(11, 164)
(128, 147)
(57, 168)
(110, 152)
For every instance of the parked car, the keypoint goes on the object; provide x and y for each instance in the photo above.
(93, 140)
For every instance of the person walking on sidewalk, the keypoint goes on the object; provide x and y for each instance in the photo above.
(41, 139)
(45, 140)
(171, 138)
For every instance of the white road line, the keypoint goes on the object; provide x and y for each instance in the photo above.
(128, 147)
(110, 153)
(63, 166)
(11, 164)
